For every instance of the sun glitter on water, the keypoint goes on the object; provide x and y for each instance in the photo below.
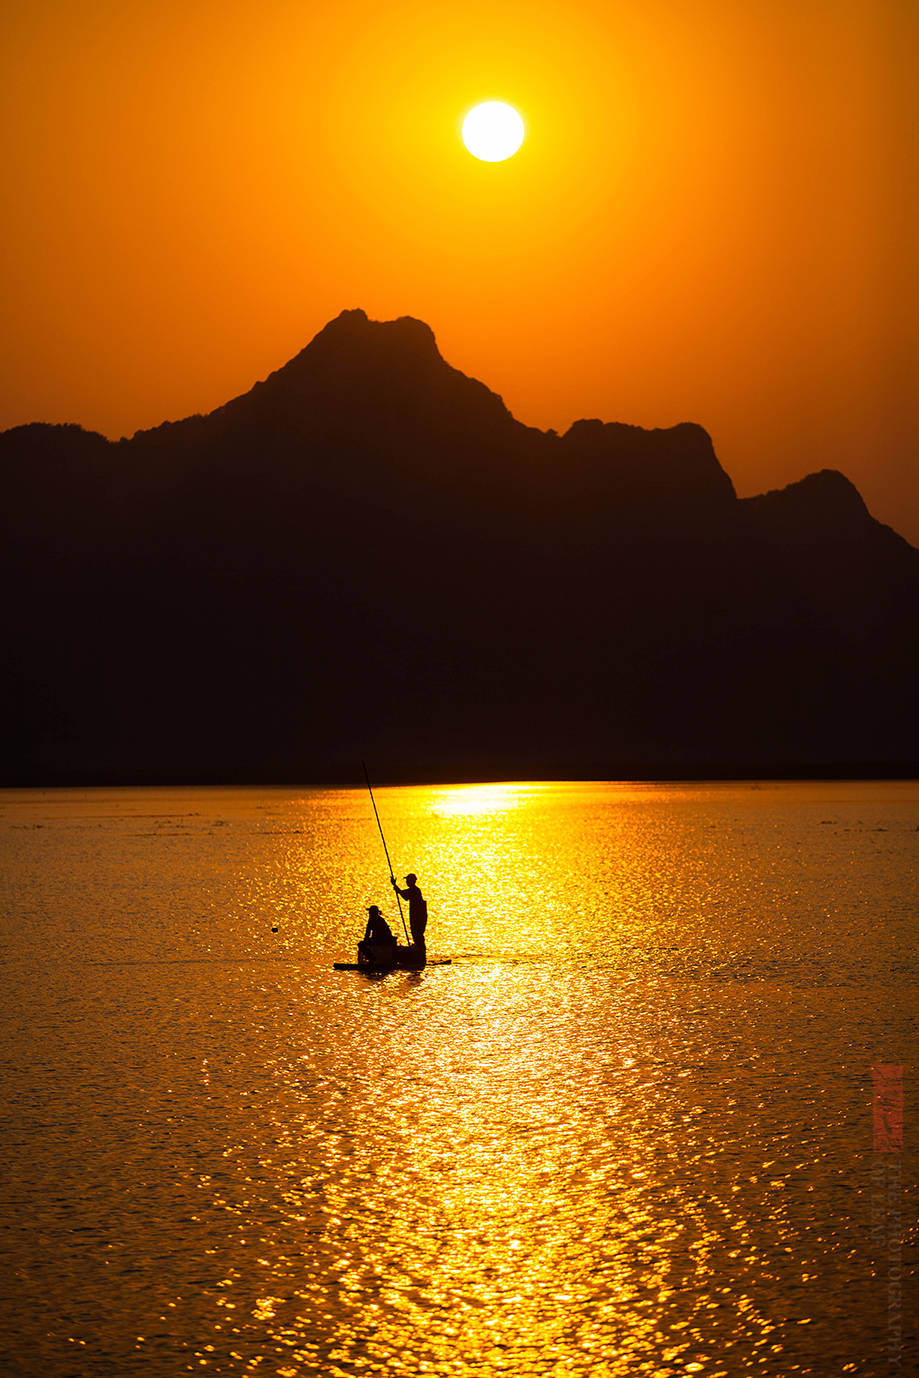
(493, 131)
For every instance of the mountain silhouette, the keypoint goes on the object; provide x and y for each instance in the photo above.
(367, 555)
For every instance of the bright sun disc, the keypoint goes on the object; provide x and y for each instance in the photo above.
(493, 131)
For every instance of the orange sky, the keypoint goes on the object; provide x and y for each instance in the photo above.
(709, 220)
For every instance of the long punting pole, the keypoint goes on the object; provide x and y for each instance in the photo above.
(385, 849)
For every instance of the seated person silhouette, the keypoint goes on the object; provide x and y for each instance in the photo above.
(377, 948)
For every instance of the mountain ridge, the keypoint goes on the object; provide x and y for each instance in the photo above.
(204, 600)
(582, 434)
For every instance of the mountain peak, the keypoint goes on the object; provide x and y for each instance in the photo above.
(667, 467)
(358, 368)
(353, 328)
(824, 500)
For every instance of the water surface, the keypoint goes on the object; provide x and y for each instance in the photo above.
(628, 1131)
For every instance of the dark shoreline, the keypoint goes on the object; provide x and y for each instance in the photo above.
(516, 772)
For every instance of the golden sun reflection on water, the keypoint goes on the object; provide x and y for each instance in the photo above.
(487, 1173)
(476, 801)
(627, 1132)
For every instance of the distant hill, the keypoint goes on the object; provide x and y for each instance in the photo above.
(367, 555)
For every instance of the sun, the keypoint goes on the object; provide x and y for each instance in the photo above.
(493, 131)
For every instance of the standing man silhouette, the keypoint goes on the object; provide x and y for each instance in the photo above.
(417, 911)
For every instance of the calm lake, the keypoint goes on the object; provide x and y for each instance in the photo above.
(628, 1131)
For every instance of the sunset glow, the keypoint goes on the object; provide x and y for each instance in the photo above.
(714, 213)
